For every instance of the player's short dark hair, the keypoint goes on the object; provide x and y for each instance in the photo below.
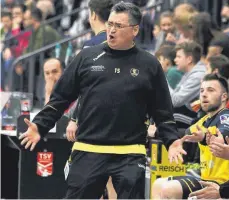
(191, 49)
(101, 7)
(221, 63)
(216, 77)
(36, 14)
(135, 15)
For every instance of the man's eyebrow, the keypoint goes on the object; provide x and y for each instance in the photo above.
(208, 87)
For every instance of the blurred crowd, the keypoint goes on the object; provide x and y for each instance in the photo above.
(27, 26)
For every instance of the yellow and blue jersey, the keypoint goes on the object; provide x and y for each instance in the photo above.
(213, 168)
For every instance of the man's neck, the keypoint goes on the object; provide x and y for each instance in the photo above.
(36, 26)
(211, 114)
(190, 67)
(99, 28)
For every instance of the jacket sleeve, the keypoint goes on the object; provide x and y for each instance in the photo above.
(223, 190)
(161, 108)
(75, 113)
(65, 92)
(188, 91)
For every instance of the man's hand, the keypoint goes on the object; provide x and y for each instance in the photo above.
(71, 131)
(197, 136)
(170, 38)
(152, 130)
(216, 138)
(211, 191)
(175, 151)
(49, 85)
(31, 137)
(48, 89)
(220, 150)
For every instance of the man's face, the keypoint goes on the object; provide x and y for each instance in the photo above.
(7, 22)
(27, 19)
(120, 33)
(211, 96)
(166, 24)
(17, 14)
(214, 51)
(209, 69)
(165, 63)
(52, 70)
(181, 60)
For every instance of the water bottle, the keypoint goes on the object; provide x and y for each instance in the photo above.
(57, 50)
(68, 53)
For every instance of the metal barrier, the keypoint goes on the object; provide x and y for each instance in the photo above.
(46, 22)
(160, 166)
(31, 61)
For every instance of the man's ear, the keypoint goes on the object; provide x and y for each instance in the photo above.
(135, 30)
(189, 59)
(93, 15)
(224, 97)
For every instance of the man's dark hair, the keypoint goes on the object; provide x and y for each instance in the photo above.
(221, 63)
(101, 7)
(166, 14)
(21, 6)
(191, 49)
(216, 77)
(5, 13)
(36, 14)
(133, 11)
(167, 51)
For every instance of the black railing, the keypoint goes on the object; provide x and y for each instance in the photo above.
(46, 22)
(31, 67)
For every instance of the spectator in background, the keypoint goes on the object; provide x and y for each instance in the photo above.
(52, 71)
(42, 34)
(47, 8)
(167, 29)
(213, 97)
(6, 20)
(17, 14)
(182, 15)
(188, 55)
(219, 45)
(219, 65)
(212, 41)
(27, 20)
(22, 36)
(166, 56)
(6, 55)
(225, 17)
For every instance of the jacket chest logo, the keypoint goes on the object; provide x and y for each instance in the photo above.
(134, 72)
(97, 68)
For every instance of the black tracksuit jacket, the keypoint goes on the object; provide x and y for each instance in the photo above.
(117, 88)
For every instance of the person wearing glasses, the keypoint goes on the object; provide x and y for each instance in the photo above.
(119, 85)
